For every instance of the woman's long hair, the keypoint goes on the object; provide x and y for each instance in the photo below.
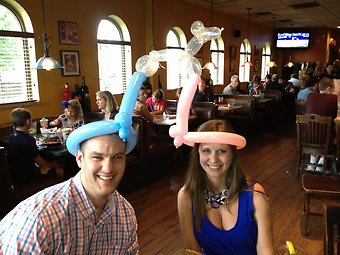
(111, 104)
(196, 179)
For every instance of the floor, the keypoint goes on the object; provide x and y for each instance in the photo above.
(269, 157)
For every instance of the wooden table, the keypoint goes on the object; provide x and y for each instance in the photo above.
(168, 120)
(223, 110)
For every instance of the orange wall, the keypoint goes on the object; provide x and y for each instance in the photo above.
(136, 15)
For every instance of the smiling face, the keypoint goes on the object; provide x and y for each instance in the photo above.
(215, 159)
(102, 163)
(142, 95)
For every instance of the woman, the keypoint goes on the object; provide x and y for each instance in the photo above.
(141, 108)
(107, 104)
(220, 210)
(156, 104)
(71, 118)
(255, 87)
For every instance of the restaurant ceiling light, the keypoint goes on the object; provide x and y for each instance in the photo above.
(290, 63)
(247, 62)
(46, 62)
(272, 63)
(210, 65)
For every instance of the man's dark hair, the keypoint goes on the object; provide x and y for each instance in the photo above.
(19, 116)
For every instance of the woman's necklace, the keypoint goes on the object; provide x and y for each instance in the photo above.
(215, 200)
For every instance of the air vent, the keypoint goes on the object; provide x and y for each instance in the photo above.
(262, 14)
(305, 5)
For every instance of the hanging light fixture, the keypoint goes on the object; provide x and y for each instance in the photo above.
(46, 62)
(290, 63)
(210, 65)
(247, 62)
(272, 61)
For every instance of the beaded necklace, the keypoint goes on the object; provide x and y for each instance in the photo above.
(215, 200)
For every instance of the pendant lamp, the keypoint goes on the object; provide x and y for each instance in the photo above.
(46, 62)
(247, 62)
(210, 65)
(272, 61)
(290, 63)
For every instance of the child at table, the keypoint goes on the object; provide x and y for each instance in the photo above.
(24, 159)
(72, 118)
(156, 104)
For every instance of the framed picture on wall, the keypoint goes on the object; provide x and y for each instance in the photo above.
(232, 52)
(68, 32)
(70, 62)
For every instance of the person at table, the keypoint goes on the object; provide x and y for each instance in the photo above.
(141, 109)
(24, 160)
(83, 215)
(267, 80)
(156, 104)
(294, 79)
(201, 94)
(106, 104)
(231, 89)
(222, 211)
(255, 86)
(311, 86)
(274, 83)
(72, 118)
(324, 103)
(328, 72)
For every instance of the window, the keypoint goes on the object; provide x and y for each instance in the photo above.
(217, 57)
(114, 55)
(18, 82)
(265, 60)
(245, 52)
(174, 40)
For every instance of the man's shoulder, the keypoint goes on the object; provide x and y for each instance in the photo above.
(123, 204)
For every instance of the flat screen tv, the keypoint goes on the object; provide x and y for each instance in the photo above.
(288, 40)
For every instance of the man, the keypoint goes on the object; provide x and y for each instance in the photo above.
(231, 89)
(84, 215)
(200, 94)
(24, 159)
(324, 103)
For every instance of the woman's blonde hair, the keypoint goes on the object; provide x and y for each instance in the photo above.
(196, 178)
(75, 105)
(111, 103)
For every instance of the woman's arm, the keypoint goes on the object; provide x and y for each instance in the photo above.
(56, 122)
(185, 220)
(146, 114)
(263, 217)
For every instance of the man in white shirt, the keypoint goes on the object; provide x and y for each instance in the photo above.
(231, 89)
(294, 79)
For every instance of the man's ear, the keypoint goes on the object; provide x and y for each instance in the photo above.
(79, 158)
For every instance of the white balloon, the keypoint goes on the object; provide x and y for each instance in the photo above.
(194, 46)
(196, 27)
(146, 65)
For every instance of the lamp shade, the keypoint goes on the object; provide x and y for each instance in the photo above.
(272, 64)
(210, 66)
(47, 63)
(247, 63)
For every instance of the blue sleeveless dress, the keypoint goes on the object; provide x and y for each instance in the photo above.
(241, 239)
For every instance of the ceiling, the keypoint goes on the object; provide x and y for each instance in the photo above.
(287, 13)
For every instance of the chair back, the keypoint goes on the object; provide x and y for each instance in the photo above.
(276, 95)
(313, 131)
(205, 111)
(331, 219)
(171, 105)
(313, 137)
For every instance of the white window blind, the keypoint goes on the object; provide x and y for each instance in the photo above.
(18, 82)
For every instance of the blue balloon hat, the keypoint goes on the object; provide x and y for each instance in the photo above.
(122, 124)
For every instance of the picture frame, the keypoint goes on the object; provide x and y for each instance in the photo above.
(256, 65)
(70, 62)
(68, 32)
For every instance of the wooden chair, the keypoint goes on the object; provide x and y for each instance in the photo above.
(7, 201)
(318, 187)
(331, 219)
(313, 137)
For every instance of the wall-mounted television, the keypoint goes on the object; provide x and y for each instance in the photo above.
(288, 40)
